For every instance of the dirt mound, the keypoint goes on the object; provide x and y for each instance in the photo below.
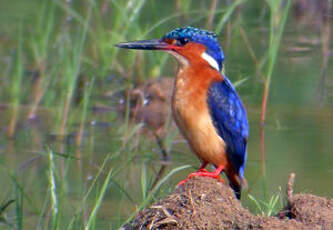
(204, 203)
(311, 210)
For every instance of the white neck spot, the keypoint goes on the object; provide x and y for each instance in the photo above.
(211, 61)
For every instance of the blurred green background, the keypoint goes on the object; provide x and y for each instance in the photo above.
(71, 156)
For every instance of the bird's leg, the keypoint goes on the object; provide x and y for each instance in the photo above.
(203, 172)
(202, 167)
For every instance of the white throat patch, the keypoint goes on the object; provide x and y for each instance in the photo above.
(211, 61)
(183, 61)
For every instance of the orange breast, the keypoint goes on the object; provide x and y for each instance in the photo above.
(191, 113)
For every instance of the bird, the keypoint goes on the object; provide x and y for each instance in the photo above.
(205, 105)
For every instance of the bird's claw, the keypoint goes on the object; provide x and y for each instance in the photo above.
(203, 173)
(202, 170)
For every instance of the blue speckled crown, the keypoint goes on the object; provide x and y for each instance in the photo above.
(204, 37)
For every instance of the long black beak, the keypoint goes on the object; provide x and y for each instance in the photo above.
(154, 44)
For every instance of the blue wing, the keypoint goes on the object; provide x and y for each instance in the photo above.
(230, 120)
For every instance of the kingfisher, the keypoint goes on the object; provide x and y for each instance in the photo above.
(205, 105)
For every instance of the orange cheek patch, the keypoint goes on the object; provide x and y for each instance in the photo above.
(192, 51)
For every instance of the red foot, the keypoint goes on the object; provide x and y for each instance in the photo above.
(202, 170)
(205, 173)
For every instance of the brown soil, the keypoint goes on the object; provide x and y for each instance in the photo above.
(204, 203)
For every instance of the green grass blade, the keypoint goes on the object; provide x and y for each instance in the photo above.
(52, 184)
(257, 203)
(98, 203)
(277, 25)
(226, 16)
(144, 185)
(19, 207)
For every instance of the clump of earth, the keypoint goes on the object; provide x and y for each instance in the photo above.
(204, 203)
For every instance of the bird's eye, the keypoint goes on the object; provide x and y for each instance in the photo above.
(182, 41)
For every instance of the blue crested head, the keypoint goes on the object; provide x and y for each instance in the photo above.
(207, 38)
